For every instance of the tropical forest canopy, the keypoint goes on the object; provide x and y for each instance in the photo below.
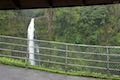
(99, 25)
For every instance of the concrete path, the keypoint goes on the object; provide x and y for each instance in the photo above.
(14, 73)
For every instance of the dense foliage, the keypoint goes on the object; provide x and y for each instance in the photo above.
(86, 25)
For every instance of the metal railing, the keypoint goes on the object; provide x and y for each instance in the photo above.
(64, 56)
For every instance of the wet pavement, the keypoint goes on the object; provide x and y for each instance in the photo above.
(15, 73)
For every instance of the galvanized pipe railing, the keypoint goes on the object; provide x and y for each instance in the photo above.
(66, 53)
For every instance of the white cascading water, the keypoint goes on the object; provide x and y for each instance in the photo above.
(30, 36)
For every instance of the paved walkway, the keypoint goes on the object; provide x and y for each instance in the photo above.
(14, 73)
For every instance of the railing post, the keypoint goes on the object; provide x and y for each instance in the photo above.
(66, 55)
(108, 59)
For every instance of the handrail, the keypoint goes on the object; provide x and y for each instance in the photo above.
(63, 56)
(88, 60)
(69, 51)
(61, 43)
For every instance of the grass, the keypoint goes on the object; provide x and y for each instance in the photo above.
(20, 63)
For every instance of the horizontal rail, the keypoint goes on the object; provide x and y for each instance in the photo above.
(2, 55)
(87, 66)
(56, 62)
(93, 67)
(111, 69)
(88, 60)
(65, 51)
(32, 59)
(61, 43)
(61, 63)
(52, 62)
(13, 44)
(69, 51)
(13, 50)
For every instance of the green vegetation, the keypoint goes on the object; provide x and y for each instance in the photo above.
(20, 63)
(95, 25)
(86, 25)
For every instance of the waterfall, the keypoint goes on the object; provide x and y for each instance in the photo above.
(30, 36)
